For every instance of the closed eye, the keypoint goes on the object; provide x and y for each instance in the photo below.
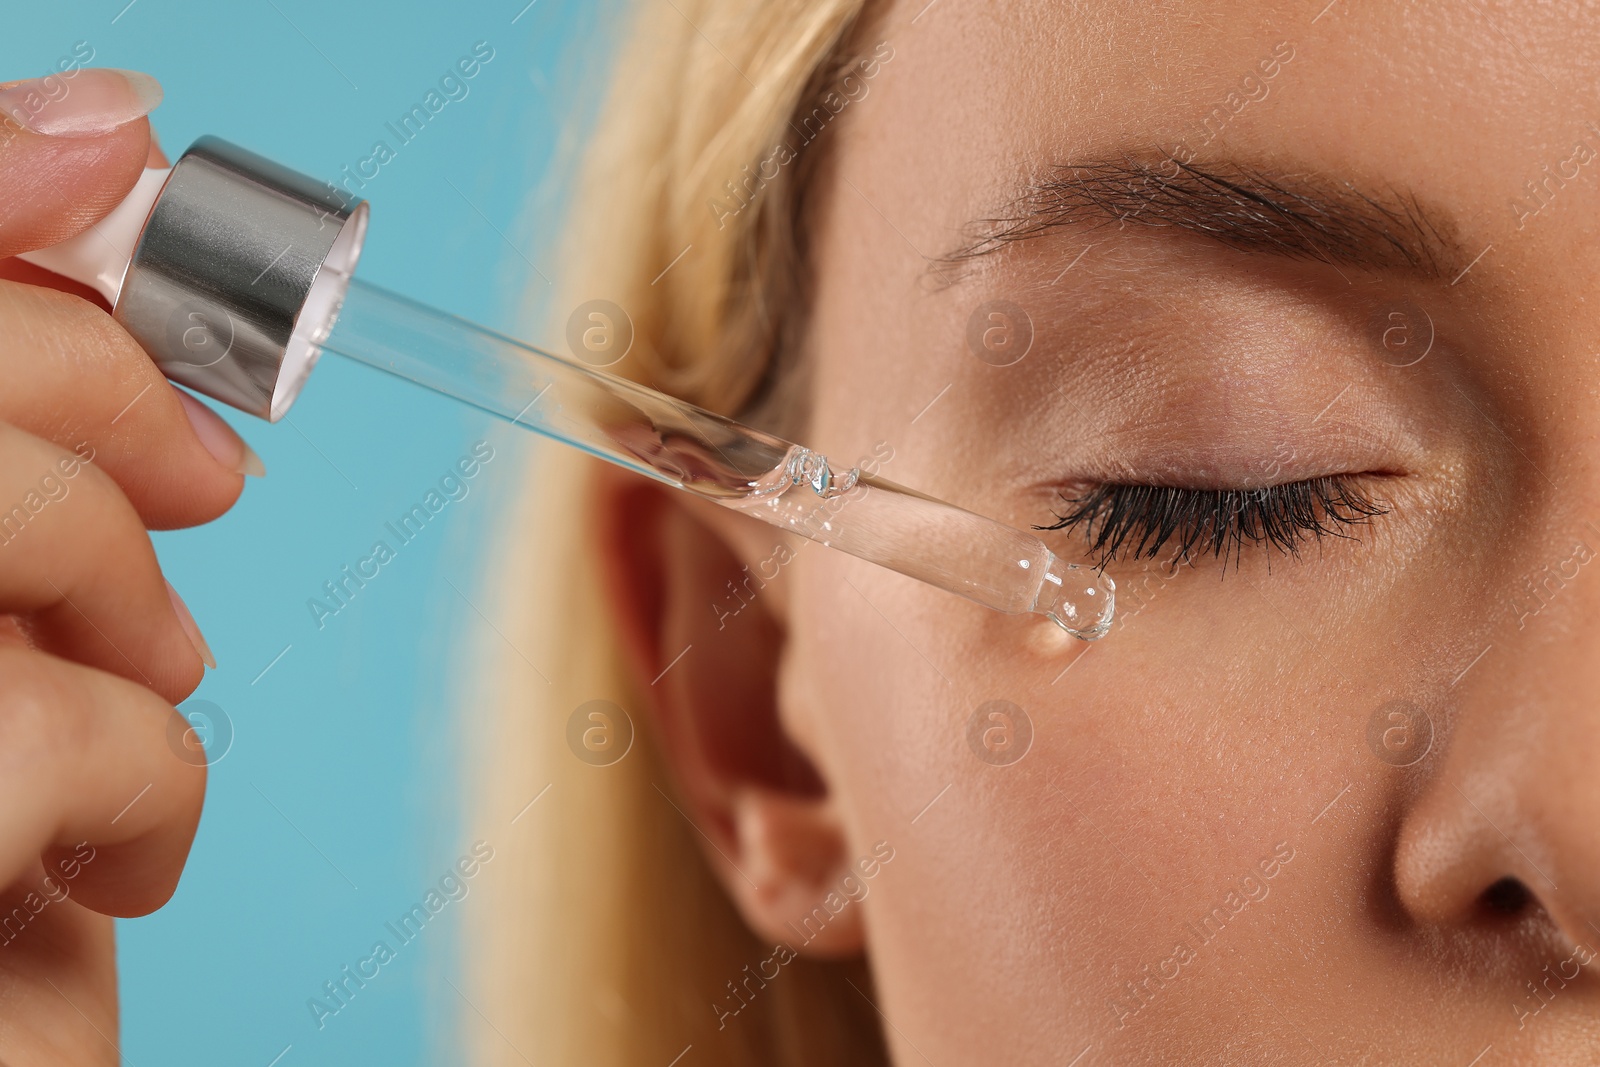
(1139, 521)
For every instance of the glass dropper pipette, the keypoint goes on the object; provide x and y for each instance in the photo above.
(234, 273)
(720, 460)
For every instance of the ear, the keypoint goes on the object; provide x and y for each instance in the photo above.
(698, 592)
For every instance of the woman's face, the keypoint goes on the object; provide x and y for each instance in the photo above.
(1332, 805)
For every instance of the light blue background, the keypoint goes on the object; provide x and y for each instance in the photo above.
(336, 808)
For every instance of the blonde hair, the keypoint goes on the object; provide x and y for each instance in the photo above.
(600, 935)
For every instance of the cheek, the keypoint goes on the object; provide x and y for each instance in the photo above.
(1029, 782)
(960, 735)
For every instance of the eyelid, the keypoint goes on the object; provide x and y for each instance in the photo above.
(1215, 521)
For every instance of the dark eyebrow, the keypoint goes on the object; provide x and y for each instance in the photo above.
(1294, 215)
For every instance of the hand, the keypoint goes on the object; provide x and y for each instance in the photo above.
(97, 806)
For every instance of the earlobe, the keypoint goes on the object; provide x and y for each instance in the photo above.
(795, 863)
(706, 668)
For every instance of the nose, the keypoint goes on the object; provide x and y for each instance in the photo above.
(1511, 818)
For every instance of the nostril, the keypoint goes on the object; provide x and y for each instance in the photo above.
(1508, 896)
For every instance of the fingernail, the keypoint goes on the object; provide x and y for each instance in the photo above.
(187, 620)
(87, 103)
(227, 447)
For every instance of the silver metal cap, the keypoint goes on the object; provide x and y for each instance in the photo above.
(239, 274)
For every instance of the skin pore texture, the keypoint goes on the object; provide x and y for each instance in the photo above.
(1208, 854)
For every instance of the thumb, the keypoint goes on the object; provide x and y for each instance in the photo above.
(71, 148)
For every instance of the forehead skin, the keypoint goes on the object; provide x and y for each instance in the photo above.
(1182, 751)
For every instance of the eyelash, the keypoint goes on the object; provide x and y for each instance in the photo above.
(1144, 518)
